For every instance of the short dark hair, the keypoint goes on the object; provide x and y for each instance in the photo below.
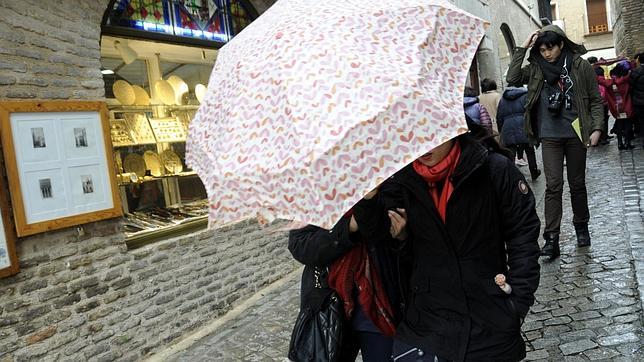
(549, 39)
(487, 85)
(470, 92)
(640, 57)
(592, 60)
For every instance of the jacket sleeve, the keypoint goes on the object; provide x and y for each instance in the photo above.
(520, 229)
(517, 75)
(314, 246)
(486, 120)
(594, 98)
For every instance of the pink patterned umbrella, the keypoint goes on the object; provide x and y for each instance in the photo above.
(317, 102)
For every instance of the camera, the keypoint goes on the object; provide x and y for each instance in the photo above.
(558, 100)
(555, 102)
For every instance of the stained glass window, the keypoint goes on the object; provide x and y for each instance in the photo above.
(213, 20)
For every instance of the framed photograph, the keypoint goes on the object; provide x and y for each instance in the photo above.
(59, 164)
(8, 256)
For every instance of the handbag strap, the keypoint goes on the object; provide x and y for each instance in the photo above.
(321, 277)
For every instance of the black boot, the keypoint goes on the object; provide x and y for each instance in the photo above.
(583, 236)
(551, 247)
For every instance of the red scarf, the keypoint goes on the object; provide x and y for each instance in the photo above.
(438, 173)
(355, 270)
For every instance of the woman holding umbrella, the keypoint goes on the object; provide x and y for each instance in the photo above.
(467, 216)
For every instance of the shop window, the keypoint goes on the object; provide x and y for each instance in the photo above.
(597, 16)
(191, 74)
(135, 73)
(208, 20)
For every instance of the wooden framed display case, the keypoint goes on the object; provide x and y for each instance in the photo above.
(59, 164)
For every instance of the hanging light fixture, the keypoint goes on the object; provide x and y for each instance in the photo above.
(127, 54)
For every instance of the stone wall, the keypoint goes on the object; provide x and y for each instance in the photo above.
(50, 49)
(628, 23)
(82, 296)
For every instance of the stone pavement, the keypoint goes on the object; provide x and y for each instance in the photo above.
(588, 304)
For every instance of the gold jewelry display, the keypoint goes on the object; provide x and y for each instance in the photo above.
(124, 92)
(140, 127)
(152, 163)
(134, 163)
(171, 162)
(168, 129)
(120, 133)
(141, 96)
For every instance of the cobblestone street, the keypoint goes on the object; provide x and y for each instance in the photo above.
(588, 304)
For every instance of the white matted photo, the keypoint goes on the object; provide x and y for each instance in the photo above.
(46, 194)
(39, 140)
(80, 138)
(59, 170)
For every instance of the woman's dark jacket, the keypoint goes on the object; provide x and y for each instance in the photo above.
(317, 247)
(455, 309)
(509, 116)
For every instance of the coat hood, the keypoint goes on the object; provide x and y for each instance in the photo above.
(512, 93)
(577, 49)
(468, 101)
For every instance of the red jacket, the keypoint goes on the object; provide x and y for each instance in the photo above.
(618, 95)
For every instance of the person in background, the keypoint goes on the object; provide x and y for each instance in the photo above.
(605, 138)
(637, 93)
(475, 110)
(619, 102)
(562, 93)
(490, 100)
(510, 120)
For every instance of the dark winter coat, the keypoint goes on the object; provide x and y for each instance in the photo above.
(585, 92)
(317, 247)
(510, 116)
(454, 308)
(637, 86)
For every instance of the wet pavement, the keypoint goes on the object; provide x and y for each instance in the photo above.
(588, 304)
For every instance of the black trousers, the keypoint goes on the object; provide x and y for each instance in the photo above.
(624, 130)
(518, 149)
(554, 150)
(639, 119)
(374, 347)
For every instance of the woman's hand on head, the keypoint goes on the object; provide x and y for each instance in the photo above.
(532, 38)
(398, 227)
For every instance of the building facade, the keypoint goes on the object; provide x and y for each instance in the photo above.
(93, 291)
(587, 22)
(627, 23)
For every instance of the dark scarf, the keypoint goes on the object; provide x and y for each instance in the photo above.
(553, 71)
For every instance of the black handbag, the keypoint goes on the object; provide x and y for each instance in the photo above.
(318, 330)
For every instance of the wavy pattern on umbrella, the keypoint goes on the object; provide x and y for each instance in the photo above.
(313, 104)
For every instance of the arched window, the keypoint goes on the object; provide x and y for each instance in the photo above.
(196, 22)
(505, 47)
(509, 38)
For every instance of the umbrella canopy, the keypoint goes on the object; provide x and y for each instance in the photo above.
(317, 102)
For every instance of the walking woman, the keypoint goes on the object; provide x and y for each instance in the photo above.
(562, 92)
(467, 216)
(364, 272)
